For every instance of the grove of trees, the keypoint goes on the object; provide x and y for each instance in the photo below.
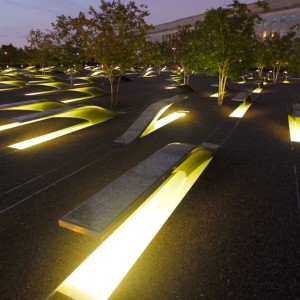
(114, 36)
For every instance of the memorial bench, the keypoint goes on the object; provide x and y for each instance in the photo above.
(16, 104)
(242, 96)
(106, 210)
(43, 114)
(150, 115)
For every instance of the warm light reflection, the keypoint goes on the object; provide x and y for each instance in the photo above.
(50, 136)
(294, 126)
(18, 83)
(257, 90)
(216, 95)
(93, 115)
(99, 275)
(76, 99)
(240, 110)
(156, 124)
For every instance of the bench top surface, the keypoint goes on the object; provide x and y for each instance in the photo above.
(240, 96)
(22, 103)
(136, 129)
(295, 108)
(42, 114)
(113, 202)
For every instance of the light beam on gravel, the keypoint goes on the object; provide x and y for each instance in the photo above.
(49, 136)
(99, 275)
(240, 110)
(294, 126)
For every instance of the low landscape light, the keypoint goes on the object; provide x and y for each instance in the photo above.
(158, 122)
(91, 114)
(99, 275)
(240, 111)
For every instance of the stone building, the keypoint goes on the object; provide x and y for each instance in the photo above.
(282, 15)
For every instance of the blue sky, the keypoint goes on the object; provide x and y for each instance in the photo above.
(18, 17)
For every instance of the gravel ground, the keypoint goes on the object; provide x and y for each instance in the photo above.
(234, 236)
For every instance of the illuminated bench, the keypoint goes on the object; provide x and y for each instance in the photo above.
(242, 96)
(103, 212)
(294, 122)
(132, 210)
(16, 104)
(43, 114)
(149, 120)
(246, 99)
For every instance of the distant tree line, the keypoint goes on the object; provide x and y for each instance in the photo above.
(114, 36)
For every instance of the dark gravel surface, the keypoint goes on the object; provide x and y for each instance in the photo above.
(234, 236)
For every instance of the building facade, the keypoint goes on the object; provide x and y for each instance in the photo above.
(282, 15)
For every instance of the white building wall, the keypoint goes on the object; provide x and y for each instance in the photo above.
(282, 15)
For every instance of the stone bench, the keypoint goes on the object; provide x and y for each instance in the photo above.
(242, 96)
(16, 104)
(148, 116)
(42, 114)
(294, 110)
(106, 210)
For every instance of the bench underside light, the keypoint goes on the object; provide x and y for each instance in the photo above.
(241, 109)
(90, 114)
(99, 275)
(294, 126)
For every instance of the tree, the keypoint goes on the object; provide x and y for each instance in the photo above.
(261, 60)
(113, 36)
(40, 45)
(66, 44)
(279, 50)
(11, 56)
(225, 40)
(184, 50)
(294, 58)
(156, 54)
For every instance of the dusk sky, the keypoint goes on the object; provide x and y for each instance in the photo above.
(18, 17)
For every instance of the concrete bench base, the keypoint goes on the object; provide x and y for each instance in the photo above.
(106, 210)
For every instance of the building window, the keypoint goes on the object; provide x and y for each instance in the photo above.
(273, 33)
(265, 34)
(283, 19)
(292, 18)
(282, 32)
(265, 22)
(274, 21)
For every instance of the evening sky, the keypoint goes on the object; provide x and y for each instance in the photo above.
(18, 17)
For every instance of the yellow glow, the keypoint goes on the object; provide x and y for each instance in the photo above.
(76, 99)
(18, 83)
(170, 87)
(57, 84)
(50, 136)
(241, 110)
(99, 275)
(41, 93)
(216, 95)
(91, 90)
(9, 126)
(93, 115)
(294, 125)
(38, 106)
(257, 91)
(162, 122)
(16, 124)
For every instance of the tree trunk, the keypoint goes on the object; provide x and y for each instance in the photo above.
(222, 85)
(260, 70)
(276, 73)
(112, 94)
(158, 70)
(71, 76)
(185, 76)
(118, 90)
